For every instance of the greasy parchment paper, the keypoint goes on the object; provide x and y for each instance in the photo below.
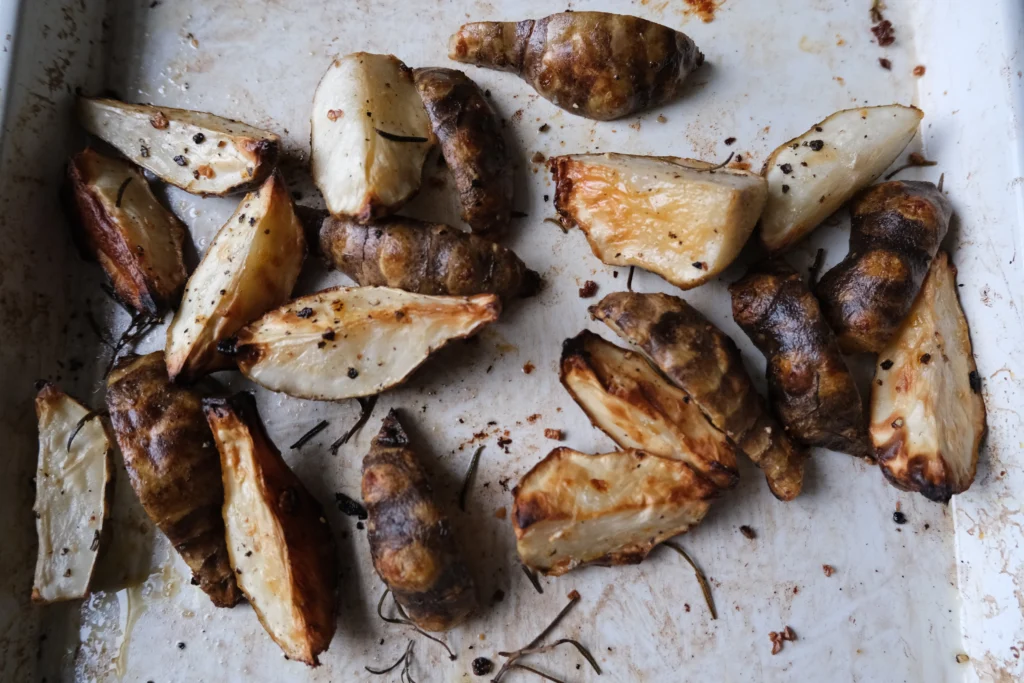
(903, 601)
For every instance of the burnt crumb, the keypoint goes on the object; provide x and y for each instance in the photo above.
(544, 128)
(199, 138)
(925, 358)
(686, 606)
(329, 336)
(788, 634)
(306, 312)
(785, 189)
(748, 532)
(482, 666)
(588, 289)
(538, 158)
(919, 70)
(546, 198)
(144, 152)
(885, 63)
(181, 645)
(352, 373)
(159, 121)
(180, 160)
(499, 596)
(828, 569)
(528, 367)
(553, 434)
(248, 553)
(194, 581)
(885, 364)
(816, 145)
(699, 265)
(786, 168)
(360, 526)
(974, 379)
(899, 517)
(730, 140)
(884, 33)
(503, 442)
(350, 506)
(321, 344)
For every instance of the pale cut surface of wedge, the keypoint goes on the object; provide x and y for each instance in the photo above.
(927, 411)
(638, 408)
(72, 496)
(136, 240)
(199, 152)
(811, 176)
(671, 216)
(250, 267)
(574, 509)
(348, 342)
(361, 104)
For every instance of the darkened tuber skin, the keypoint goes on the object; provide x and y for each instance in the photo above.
(426, 258)
(705, 363)
(472, 145)
(809, 385)
(595, 64)
(173, 467)
(411, 541)
(896, 231)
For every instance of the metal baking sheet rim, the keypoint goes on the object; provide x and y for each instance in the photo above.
(989, 187)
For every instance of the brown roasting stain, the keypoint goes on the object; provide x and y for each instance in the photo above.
(528, 367)
(703, 9)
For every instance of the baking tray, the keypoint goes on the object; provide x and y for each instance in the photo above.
(904, 601)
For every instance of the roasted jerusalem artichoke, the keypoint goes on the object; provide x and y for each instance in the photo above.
(472, 145)
(927, 411)
(638, 408)
(348, 342)
(135, 239)
(250, 267)
(173, 467)
(369, 134)
(74, 486)
(277, 536)
(680, 218)
(426, 258)
(811, 176)
(702, 361)
(573, 509)
(594, 64)
(809, 385)
(198, 152)
(896, 230)
(411, 541)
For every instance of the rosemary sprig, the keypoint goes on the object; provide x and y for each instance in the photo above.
(138, 328)
(305, 438)
(406, 659)
(81, 423)
(557, 222)
(120, 191)
(532, 576)
(701, 579)
(712, 169)
(394, 137)
(915, 160)
(469, 478)
(629, 280)
(404, 620)
(366, 405)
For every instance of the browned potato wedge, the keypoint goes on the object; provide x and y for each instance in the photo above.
(639, 409)
(927, 411)
(574, 509)
(348, 342)
(426, 258)
(411, 540)
(370, 136)
(136, 240)
(74, 485)
(277, 536)
(705, 363)
(173, 467)
(473, 147)
(674, 217)
(811, 176)
(251, 267)
(200, 153)
(595, 64)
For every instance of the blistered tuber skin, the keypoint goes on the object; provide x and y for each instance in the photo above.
(594, 64)
(895, 233)
(810, 387)
(472, 145)
(410, 538)
(426, 258)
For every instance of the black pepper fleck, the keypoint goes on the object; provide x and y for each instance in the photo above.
(899, 517)
(786, 168)
(199, 138)
(816, 145)
(352, 373)
(180, 160)
(482, 666)
(885, 364)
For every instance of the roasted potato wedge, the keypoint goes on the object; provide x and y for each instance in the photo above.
(278, 539)
(705, 363)
(250, 268)
(674, 217)
(639, 409)
(370, 136)
(411, 541)
(574, 509)
(927, 411)
(595, 64)
(200, 153)
(426, 258)
(809, 385)
(811, 176)
(895, 231)
(348, 342)
(74, 486)
(173, 467)
(135, 239)
(472, 145)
